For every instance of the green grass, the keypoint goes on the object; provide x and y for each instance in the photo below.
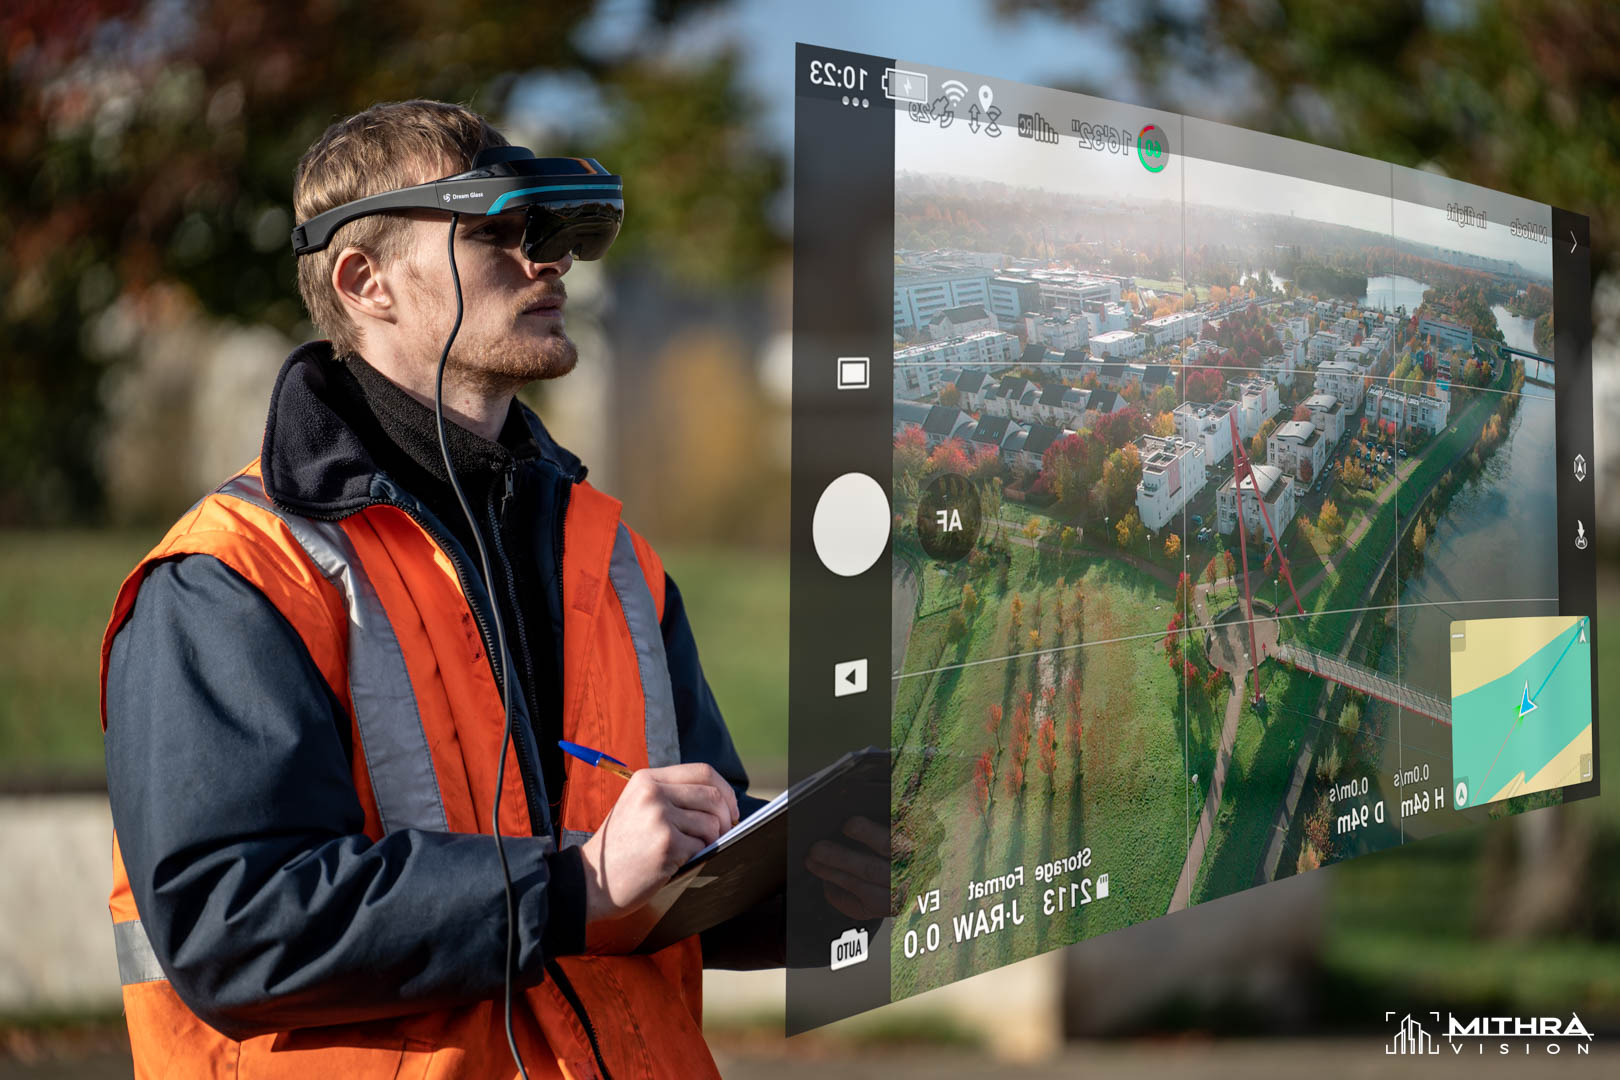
(737, 602)
(1257, 777)
(1121, 790)
(57, 589)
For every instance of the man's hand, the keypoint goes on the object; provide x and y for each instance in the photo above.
(663, 817)
(855, 882)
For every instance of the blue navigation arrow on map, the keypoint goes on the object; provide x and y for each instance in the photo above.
(1525, 704)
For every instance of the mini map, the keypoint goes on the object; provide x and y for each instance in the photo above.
(1521, 704)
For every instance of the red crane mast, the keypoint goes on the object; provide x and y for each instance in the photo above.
(1243, 469)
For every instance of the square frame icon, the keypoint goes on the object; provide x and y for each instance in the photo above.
(854, 373)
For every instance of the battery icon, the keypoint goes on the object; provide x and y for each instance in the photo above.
(902, 85)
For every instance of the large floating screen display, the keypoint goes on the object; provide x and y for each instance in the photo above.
(1176, 509)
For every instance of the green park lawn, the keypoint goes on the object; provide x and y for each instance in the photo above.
(1121, 790)
(57, 589)
(1257, 778)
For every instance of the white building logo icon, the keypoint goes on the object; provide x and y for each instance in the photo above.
(1410, 1038)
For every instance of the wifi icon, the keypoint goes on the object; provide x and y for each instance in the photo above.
(955, 91)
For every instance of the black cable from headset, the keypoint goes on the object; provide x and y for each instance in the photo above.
(500, 644)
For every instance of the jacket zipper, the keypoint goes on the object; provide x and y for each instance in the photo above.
(530, 783)
(555, 970)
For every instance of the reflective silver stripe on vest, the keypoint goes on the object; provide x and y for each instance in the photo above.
(137, 963)
(641, 615)
(391, 732)
(575, 837)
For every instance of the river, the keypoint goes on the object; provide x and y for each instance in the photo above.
(1497, 540)
(1386, 292)
(1520, 333)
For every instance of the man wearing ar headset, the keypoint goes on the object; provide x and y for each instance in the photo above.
(308, 717)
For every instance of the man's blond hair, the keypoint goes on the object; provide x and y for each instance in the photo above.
(391, 145)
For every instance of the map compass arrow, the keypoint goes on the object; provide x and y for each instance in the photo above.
(1526, 706)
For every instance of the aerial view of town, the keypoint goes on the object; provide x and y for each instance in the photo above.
(1234, 467)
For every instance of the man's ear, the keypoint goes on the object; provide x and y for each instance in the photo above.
(363, 289)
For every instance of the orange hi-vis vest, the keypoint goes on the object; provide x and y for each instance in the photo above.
(378, 604)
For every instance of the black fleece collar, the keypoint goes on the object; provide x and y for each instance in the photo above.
(316, 463)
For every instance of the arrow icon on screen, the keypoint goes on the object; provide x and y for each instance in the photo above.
(1525, 704)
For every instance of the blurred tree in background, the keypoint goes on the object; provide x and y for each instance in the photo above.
(148, 151)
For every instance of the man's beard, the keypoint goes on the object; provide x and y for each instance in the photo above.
(498, 363)
(501, 362)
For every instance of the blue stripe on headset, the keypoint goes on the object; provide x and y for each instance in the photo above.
(501, 202)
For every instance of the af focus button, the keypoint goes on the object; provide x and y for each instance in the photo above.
(948, 518)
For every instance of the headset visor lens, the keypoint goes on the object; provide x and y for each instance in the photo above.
(586, 229)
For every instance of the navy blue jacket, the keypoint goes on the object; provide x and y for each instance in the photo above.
(229, 774)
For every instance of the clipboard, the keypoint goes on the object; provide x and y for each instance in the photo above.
(743, 867)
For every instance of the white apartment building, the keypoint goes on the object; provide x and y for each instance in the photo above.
(1274, 486)
(1344, 382)
(1327, 413)
(1118, 343)
(1208, 426)
(1105, 318)
(1172, 473)
(921, 292)
(1011, 295)
(1427, 412)
(1355, 355)
(1257, 401)
(1279, 369)
(919, 370)
(1299, 449)
(1060, 332)
(1172, 328)
(1322, 346)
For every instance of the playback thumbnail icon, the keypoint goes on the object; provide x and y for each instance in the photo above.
(849, 678)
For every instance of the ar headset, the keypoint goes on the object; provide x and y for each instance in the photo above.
(570, 205)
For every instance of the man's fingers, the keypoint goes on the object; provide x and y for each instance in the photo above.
(858, 865)
(701, 797)
(862, 899)
(845, 903)
(866, 831)
(699, 774)
(700, 825)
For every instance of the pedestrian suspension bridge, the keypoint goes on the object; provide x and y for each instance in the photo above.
(1369, 682)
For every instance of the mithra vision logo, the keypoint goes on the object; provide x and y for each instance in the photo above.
(1499, 1035)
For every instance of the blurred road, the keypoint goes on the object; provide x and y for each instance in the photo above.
(1331, 1059)
(1185, 1059)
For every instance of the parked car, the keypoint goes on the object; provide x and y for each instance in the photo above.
(1401, 450)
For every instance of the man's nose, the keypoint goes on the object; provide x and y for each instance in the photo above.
(538, 269)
